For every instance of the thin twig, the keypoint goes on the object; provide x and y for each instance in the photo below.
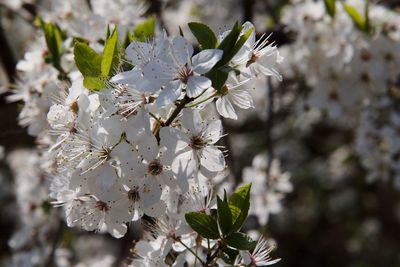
(54, 245)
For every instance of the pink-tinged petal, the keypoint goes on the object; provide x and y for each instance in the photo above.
(212, 159)
(205, 60)
(196, 85)
(169, 94)
(225, 108)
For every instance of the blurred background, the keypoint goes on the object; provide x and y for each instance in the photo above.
(329, 132)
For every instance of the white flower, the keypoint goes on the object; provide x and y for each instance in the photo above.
(233, 95)
(259, 257)
(193, 146)
(181, 71)
(98, 211)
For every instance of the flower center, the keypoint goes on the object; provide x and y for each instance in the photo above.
(74, 107)
(224, 90)
(102, 206)
(197, 142)
(155, 167)
(253, 59)
(365, 55)
(133, 194)
(184, 74)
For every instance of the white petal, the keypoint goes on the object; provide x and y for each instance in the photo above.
(156, 210)
(182, 50)
(102, 178)
(156, 74)
(127, 77)
(184, 166)
(173, 139)
(225, 108)
(196, 85)
(213, 131)
(192, 121)
(127, 157)
(151, 191)
(241, 98)
(148, 147)
(205, 60)
(212, 159)
(117, 230)
(138, 125)
(138, 52)
(169, 94)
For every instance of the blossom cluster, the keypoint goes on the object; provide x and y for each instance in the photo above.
(351, 71)
(139, 138)
(342, 65)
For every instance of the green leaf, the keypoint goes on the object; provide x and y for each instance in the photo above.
(128, 39)
(53, 37)
(359, 21)
(145, 30)
(330, 7)
(228, 43)
(218, 77)
(108, 31)
(239, 203)
(181, 32)
(46, 206)
(204, 35)
(224, 216)
(229, 255)
(110, 61)
(89, 63)
(203, 224)
(93, 83)
(240, 241)
(87, 60)
(242, 40)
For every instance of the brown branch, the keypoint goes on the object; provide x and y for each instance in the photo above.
(270, 121)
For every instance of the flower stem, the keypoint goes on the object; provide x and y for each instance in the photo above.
(202, 101)
(191, 251)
